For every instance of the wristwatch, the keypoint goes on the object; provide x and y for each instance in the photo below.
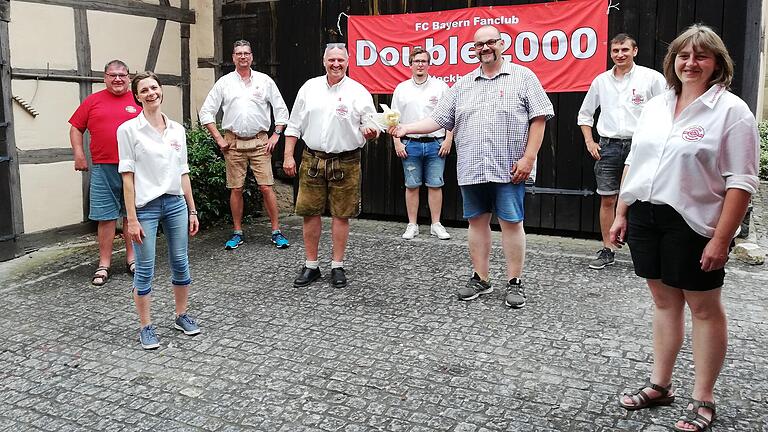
(279, 132)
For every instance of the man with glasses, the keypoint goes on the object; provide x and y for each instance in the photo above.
(101, 113)
(497, 113)
(423, 155)
(248, 99)
(332, 114)
(621, 93)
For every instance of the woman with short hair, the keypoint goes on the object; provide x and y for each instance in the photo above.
(687, 182)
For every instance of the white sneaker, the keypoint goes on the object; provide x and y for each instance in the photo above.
(438, 230)
(411, 231)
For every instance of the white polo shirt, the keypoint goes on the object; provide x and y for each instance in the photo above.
(689, 162)
(620, 100)
(156, 161)
(417, 101)
(329, 118)
(247, 108)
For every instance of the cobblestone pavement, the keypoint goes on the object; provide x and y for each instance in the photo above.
(394, 351)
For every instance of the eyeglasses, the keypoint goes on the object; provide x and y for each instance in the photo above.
(489, 42)
(116, 75)
(242, 54)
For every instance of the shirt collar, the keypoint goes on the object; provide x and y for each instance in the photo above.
(506, 69)
(626, 75)
(709, 98)
(143, 122)
(338, 84)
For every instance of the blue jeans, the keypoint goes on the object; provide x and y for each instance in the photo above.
(423, 164)
(504, 199)
(171, 211)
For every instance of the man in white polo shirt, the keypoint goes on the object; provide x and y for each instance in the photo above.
(621, 93)
(332, 114)
(423, 155)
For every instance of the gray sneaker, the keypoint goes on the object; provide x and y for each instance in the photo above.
(474, 288)
(605, 257)
(515, 294)
(186, 324)
(148, 338)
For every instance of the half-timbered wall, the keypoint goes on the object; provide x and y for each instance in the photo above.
(52, 55)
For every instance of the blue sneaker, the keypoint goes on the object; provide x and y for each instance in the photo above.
(279, 240)
(148, 338)
(186, 324)
(234, 242)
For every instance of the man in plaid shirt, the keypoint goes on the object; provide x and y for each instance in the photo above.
(497, 114)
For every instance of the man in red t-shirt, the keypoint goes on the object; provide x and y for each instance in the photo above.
(101, 113)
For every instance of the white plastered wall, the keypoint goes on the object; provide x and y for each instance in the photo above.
(201, 46)
(52, 193)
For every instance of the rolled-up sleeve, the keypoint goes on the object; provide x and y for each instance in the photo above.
(212, 104)
(125, 149)
(295, 126)
(739, 155)
(279, 107)
(588, 107)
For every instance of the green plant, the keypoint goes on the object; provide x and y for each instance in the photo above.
(207, 172)
(762, 127)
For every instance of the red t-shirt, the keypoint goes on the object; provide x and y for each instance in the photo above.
(101, 113)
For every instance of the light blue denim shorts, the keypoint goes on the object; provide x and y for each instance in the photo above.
(423, 164)
(106, 202)
(504, 199)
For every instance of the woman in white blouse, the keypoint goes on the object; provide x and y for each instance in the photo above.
(157, 190)
(687, 183)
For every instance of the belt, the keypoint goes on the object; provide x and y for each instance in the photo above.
(618, 139)
(324, 155)
(241, 138)
(422, 139)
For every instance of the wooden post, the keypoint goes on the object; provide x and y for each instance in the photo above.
(83, 50)
(11, 246)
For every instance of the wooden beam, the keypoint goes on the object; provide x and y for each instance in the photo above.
(5, 10)
(45, 156)
(70, 75)
(127, 7)
(206, 63)
(14, 183)
(186, 71)
(154, 45)
(83, 52)
(218, 49)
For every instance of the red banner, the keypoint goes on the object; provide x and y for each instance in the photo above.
(564, 43)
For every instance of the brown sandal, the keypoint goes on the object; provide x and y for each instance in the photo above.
(692, 416)
(645, 401)
(100, 276)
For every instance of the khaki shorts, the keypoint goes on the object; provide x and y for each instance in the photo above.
(238, 160)
(332, 183)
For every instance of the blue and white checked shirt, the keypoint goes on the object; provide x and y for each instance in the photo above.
(489, 118)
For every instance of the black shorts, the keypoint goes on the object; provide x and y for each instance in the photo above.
(664, 247)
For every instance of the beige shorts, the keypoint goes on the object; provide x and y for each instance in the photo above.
(242, 153)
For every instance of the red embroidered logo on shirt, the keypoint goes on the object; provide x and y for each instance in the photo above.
(130, 108)
(637, 98)
(342, 111)
(433, 100)
(174, 144)
(693, 133)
